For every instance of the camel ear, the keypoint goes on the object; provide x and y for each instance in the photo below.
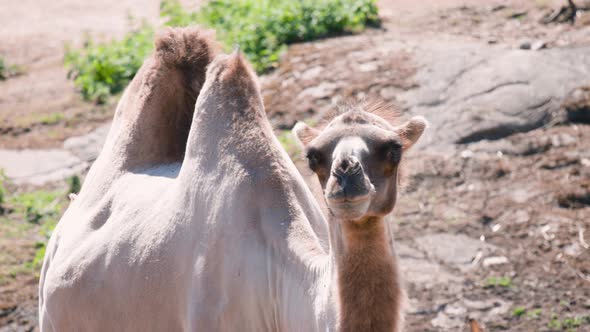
(304, 133)
(411, 131)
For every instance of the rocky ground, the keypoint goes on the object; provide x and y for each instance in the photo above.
(493, 228)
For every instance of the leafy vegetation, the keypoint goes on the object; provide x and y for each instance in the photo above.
(518, 311)
(7, 70)
(37, 206)
(51, 118)
(102, 69)
(289, 143)
(535, 313)
(40, 246)
(28, 214)
(261, 29)
(2, 190)
(74, 184)
(569, 324)
(498, 282)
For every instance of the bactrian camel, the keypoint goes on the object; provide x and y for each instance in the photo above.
(193, 218)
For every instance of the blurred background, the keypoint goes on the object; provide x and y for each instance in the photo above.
(493, 229)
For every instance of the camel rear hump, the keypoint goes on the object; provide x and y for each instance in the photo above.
(153, 117)
(190, 50)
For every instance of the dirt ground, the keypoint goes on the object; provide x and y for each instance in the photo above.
(526, 195)
(531, 200)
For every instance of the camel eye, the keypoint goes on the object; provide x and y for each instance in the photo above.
(391, 152)
(314, 159)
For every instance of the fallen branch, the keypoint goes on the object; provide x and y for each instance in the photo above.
(563, 14)
(583, 242)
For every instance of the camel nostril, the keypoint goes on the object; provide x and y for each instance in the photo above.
(354, 164)
(344, 165)
(347, 166)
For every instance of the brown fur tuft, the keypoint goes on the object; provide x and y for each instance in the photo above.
(155, 113)
(188, 49)
(386, 111)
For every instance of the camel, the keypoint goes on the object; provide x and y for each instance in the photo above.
(194, 218)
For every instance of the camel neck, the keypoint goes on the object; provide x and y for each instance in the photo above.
(367, 277)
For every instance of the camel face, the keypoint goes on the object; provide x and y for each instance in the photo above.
(357, 158)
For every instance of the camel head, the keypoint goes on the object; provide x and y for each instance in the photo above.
(356, 156)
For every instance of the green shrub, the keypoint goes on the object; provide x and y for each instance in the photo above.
(518, 311)
(498, 282)
(7, 71)
(2, 69)
(261, 29)
(46, 230)
(38, 206)
(289, 143)
(74, 184)
(2, 191)
(102, 69)
(569, 323)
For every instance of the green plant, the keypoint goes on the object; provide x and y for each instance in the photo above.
(3, 191)
(536, 313)
(261, 29)
(7, 71)
(498, 281)
(569, 323)
(518, 311)
(45, 231)
(38, 206)
(52, 118)
(74, 184)
(289, 143)
(102, 69)
(38, 258)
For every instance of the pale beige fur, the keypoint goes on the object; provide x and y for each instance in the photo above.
(199, 221)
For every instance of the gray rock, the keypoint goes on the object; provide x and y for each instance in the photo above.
(324, 90)
(577, 105)
(87, 147)
(312, 73)
(471, 91)
(538, 45)
(38, 167)
(447, 323)
(573, 250)
(388, 93)
(455, 250)
(563, 140)
(418, 270)
(521, 217)
(456, 314)
(495, 260)
(524, 45)
(369, 66)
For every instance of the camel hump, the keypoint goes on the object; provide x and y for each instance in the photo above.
(230, 112)
(154, 116)
(188, 49)
(232, 82)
